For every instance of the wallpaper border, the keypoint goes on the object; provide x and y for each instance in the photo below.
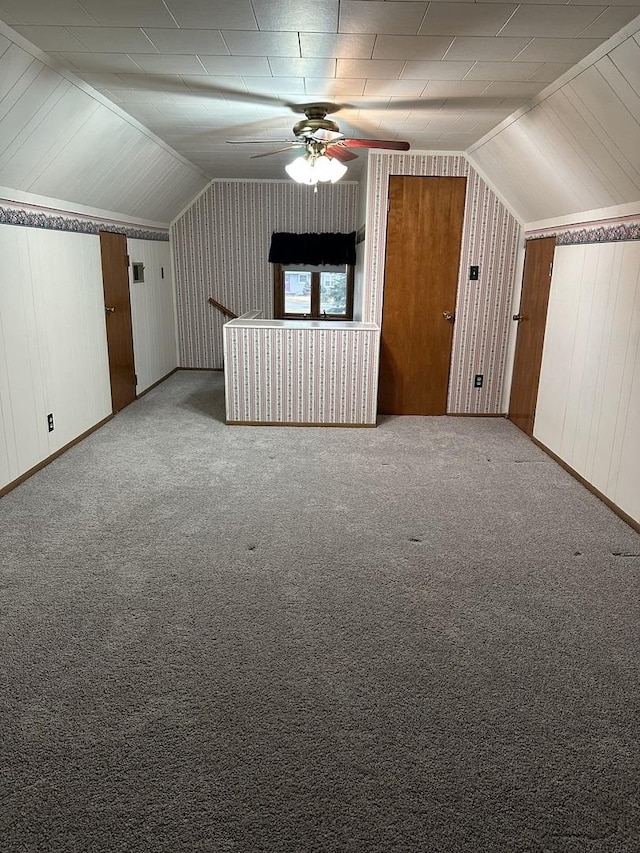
(77, 224)
(578, 235)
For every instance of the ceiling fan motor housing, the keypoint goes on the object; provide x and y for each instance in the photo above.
(315, 120)
(309, 125)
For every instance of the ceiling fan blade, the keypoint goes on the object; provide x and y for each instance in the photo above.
(376, 143)
(340, 153)
(321, 135)
(269, 153)
(263, 141)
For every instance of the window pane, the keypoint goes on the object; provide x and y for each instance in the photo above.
(333, 292)
(297, 292)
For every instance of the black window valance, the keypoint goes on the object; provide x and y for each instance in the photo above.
(313, 249)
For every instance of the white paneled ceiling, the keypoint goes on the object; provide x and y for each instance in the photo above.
(439, 75)
(578, 150)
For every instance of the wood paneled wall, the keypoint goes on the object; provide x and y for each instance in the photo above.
(588, 410)
(52, 325)
(578, 148)
(53, 347)
(59, 141)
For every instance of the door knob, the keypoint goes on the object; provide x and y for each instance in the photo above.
(109, 310)
(518, 317)
(449, 316)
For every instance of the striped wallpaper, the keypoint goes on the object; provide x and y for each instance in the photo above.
(301, 376)
(221, 246)
(490, 240)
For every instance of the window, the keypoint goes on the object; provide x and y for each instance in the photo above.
(313, 293)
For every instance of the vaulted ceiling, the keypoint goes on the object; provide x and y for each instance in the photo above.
(198, 73)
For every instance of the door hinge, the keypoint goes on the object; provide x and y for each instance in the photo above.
(550, 268)
(127, 260)
(135, 379)
(388, 205)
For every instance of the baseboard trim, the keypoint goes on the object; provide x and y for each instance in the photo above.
(477, 415)
(298, 424)
(589, 486)
(21, 479)
(155, 384)
(209, 369)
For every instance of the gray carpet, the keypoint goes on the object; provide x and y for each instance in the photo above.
(422, 637)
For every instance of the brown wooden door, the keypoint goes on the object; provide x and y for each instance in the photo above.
(115, 279)
(424, 234)
(532, 318)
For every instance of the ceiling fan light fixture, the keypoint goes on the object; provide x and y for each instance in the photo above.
(301, 171)
(322, 167)
(312, 169)
(338, 170)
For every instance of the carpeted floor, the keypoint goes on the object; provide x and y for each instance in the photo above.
(422, 637)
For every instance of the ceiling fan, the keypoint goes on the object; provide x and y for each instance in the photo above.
(322, 140)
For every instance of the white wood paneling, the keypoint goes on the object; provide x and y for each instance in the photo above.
(578, 149)
(54, 356)
(628, 477)
(152, 312)
(53, 345)
(588, 409)
(59, 140)
(69, 303)
(22, 403)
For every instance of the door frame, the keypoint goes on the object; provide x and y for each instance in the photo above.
(453, 205)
